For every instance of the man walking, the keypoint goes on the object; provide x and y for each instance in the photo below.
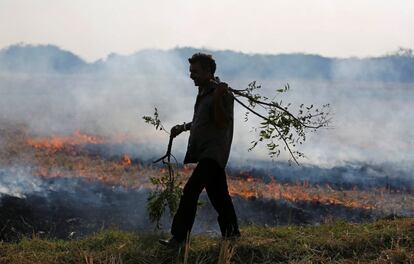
(211, 134)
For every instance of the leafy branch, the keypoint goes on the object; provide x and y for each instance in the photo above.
(279, 127)
(168, 187)
(155, 121)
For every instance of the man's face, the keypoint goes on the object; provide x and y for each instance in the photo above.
(199, 75)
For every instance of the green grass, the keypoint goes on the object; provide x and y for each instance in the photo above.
(383, 241)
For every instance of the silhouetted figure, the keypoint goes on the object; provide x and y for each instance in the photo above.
(211, 134)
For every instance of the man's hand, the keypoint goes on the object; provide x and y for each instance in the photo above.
(176, 130)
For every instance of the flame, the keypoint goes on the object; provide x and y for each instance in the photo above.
(250, 178)
(126, 161)
(250, 188)
(56, 143)
(62, 156)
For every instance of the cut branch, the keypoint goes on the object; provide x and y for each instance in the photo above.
(275, 126)
(239, 92)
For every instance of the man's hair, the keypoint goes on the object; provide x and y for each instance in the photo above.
(206, 61)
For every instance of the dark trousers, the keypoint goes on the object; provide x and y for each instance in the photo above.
(208, 174)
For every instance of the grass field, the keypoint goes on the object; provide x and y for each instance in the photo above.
(383, 241)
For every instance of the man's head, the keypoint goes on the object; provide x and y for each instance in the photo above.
(202, 68)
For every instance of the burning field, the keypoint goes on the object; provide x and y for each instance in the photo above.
(70, 185)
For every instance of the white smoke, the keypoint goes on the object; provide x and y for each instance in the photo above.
(19, 182)
(372, 121)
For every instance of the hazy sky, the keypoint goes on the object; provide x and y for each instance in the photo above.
(94, 28)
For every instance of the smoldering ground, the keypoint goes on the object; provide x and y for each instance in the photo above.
(67, 207)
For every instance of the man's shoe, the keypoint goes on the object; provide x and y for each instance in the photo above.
(171, 243)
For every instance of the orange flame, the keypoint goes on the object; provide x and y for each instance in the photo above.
(58, 143)
(255, 188)
(126, 161)
(56, 152)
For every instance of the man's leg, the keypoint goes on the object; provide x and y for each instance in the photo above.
(217, 190)
(184, 217)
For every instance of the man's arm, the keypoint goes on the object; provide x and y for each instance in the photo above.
(178, 129)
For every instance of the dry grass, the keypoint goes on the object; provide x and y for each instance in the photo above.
(384, 241)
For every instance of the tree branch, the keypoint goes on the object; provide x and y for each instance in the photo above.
(275, 126)
(239, 92)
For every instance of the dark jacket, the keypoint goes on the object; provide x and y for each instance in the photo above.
(206, 139)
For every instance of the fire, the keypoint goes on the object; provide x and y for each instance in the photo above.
(126, 161)
(251, 188)
(62, 156)
(56, 143)
(250, 179)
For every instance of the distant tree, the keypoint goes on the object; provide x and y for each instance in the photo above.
(404, 52)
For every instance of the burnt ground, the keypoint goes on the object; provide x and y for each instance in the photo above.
(70, 208)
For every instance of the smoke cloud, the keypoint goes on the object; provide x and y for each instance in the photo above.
(372, 120)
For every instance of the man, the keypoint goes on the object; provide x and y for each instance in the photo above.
(211, 134)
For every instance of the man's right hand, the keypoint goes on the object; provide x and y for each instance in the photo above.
(176, 130)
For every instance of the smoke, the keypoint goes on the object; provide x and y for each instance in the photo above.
(369, 145)
(65, 207)
(108, 102)
(18, 182)
(69, 207)
(360, 175)
(372, 120)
